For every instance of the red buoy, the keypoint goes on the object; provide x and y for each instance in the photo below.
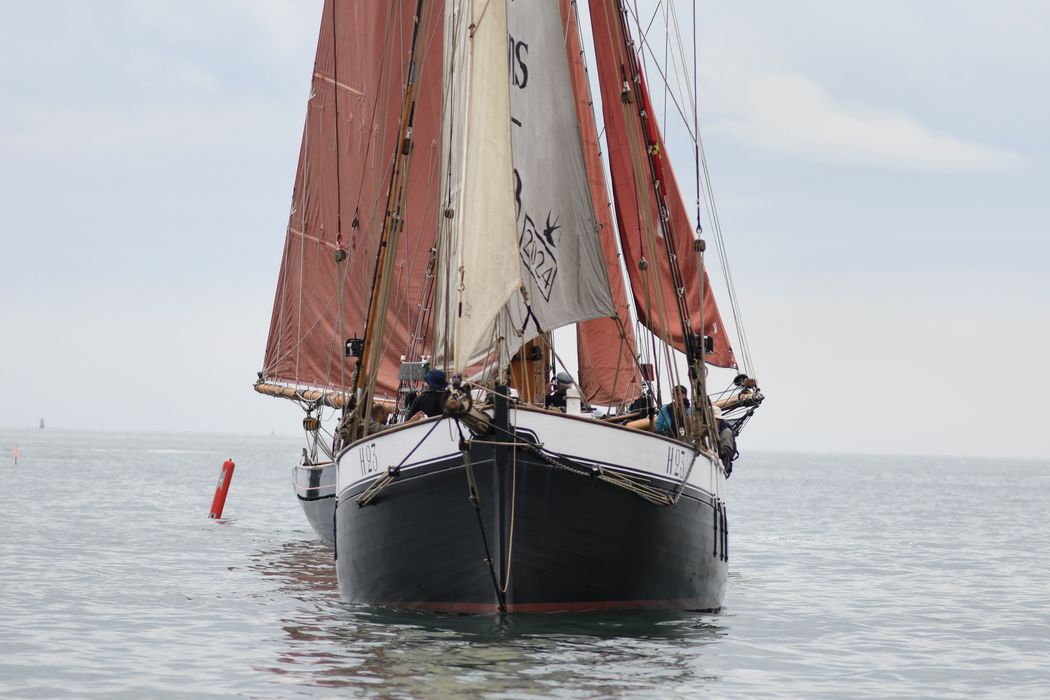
(225, 477)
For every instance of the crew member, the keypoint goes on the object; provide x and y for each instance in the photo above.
(670, 420)
(556, 397)
(726, 440)
(379, 418)
(432, 401)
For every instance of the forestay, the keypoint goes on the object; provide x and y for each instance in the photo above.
(606, 346)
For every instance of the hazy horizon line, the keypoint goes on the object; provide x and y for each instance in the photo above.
(763, 450)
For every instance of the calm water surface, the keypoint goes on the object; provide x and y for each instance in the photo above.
(849, 577)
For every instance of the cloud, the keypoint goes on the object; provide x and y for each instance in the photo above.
(283, 21)
(905, 374)
(785, 111)
(280, 23)
(762, 100)
(133, 131)
(158, 77)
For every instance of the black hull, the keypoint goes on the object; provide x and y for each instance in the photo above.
(315, 489)
(558, 541)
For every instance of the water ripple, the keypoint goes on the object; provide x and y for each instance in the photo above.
(849, 577)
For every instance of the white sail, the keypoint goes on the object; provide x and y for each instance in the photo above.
(521, 168)
(562, 265)
(480, 264)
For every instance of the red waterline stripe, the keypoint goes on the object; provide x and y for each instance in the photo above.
(584, 606)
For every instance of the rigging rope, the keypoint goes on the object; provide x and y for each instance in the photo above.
(625, 345)
(513, 512)
(475, 498)
(392, 472)
(338, 190)
(694, 133)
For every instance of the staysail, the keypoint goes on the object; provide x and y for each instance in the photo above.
(637, 157)
(479, 269)
(340, 194)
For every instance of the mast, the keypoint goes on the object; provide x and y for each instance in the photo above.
(695, 348)
(640, 207)
(353, 131)
(652, 151)
(392, 226)
(341, 278)
(664, 262)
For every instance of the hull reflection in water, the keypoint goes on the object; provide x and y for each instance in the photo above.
(303, 570)
(331, 644)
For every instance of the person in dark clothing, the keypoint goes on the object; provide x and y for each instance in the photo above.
(642, 403)
(726, 441)
(556, 397)
(432, 401)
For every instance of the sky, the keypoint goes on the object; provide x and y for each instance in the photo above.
(881, 168)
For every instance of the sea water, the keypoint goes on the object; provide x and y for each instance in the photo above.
(850, 576)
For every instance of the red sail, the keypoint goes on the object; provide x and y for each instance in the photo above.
(340, 196)
(637, 208)
(606, 346)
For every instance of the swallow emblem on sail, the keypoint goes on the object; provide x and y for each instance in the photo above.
(538, 252)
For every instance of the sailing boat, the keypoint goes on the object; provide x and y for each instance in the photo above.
(451, 213)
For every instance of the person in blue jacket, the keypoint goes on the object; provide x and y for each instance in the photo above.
(670, 421)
